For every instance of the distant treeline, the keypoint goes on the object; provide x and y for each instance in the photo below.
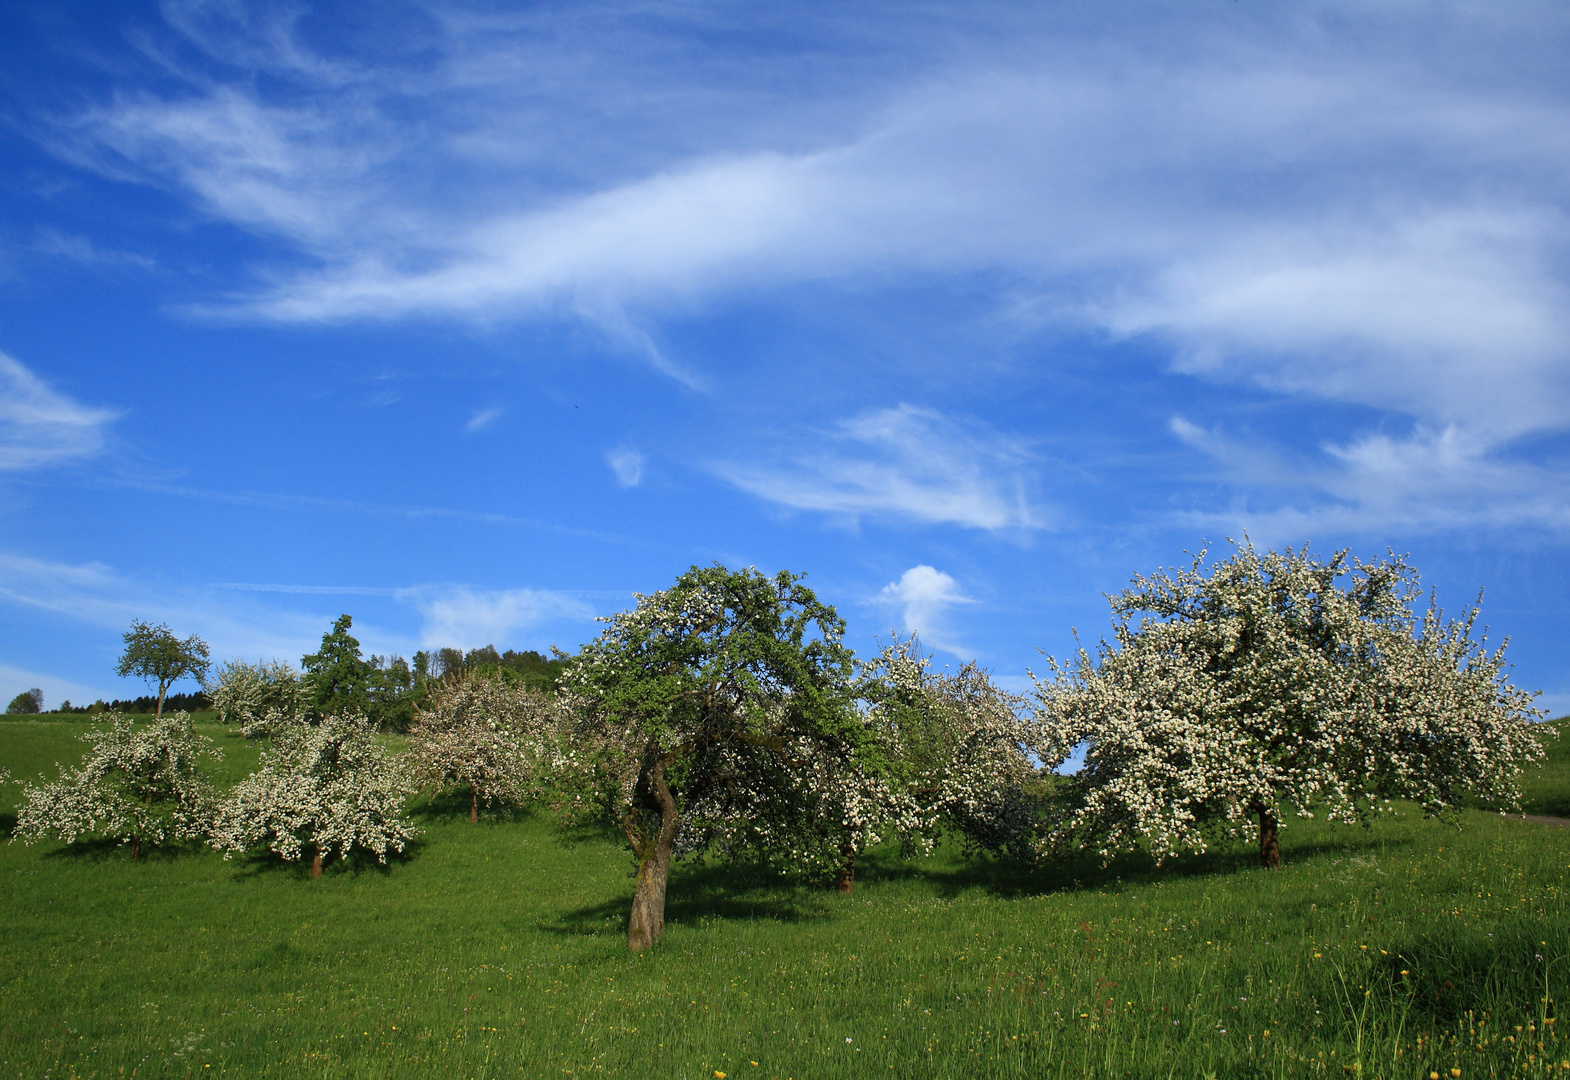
(528, 667)
(145, 704)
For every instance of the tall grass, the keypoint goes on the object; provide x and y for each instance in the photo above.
(498, 950)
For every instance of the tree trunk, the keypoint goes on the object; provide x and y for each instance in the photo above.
(474, 806)
(847, 880)
(646, 923)
(1269, 845)
(136, 848)
(316, 861)
(163, 688)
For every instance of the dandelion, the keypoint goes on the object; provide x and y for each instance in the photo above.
(718, 1075)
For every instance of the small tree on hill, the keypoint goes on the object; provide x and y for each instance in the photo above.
(327, 787)
(28, 702)
(484, 735)
(259, 697)
(1273, 680)
(143, 788)
(153, 653)
(708, 686)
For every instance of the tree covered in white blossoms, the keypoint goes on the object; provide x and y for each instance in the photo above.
(1265, 683)
(259, 697)
(700, 701)
(327, 788)
(140, 786)
(965, 753)
(486, 736)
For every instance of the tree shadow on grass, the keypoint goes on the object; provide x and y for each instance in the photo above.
(263, 863)
(1016, 879)
(445, 806)
(704, 892)
(100, 849)
(700, 893)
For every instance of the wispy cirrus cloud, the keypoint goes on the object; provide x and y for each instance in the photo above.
(903, 463)
(1264, 194)
(1431, 479)
(40, 426)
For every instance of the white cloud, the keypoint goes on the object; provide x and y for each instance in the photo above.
(923, 595)
(627, 464)
(39, 426)
(482, 419)
(468, 618)
(904, 462)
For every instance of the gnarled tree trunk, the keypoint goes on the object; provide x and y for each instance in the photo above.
(1269, 843)
(316, 861)
(646, 924)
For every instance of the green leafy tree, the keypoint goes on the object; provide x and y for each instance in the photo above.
(337, 678)
(28, 702)
(703, 696)
(154, 654)
(1264, 681)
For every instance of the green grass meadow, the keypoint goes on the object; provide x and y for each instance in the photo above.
(498, 950)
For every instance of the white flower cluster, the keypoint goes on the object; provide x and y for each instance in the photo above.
(486, 736)
(329, 787)
(1270, 682)
(259, 697)
(140, 787)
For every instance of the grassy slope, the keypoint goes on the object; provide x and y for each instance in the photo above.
(498, 950)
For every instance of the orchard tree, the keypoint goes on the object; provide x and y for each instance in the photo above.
(966, 753)
(703, 695)
(259, 697)
(1262, 682)
(154, 654)
(143, 788)
(485, 735)
(326, 787)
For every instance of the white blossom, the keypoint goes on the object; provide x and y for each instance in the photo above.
(142, 787)
(1275, 681)
(328, 787)
(484, 735)
(259, 697)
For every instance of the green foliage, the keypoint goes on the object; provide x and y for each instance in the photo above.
(154, 654)
(27, 702)
(337, 678)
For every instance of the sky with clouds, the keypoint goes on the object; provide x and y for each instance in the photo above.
(473, 320)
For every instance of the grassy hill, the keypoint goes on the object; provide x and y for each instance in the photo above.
(1546, 789)
(499, 950)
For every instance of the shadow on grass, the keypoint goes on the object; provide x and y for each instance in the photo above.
(702, 892)
(263, 863)
(444, 806)
(1014, 879)
(102, 849)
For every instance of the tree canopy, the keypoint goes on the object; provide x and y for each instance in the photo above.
(703, 695)
(1265, 683)
(153, 653)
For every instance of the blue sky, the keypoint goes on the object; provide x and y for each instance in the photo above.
(473, 320)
